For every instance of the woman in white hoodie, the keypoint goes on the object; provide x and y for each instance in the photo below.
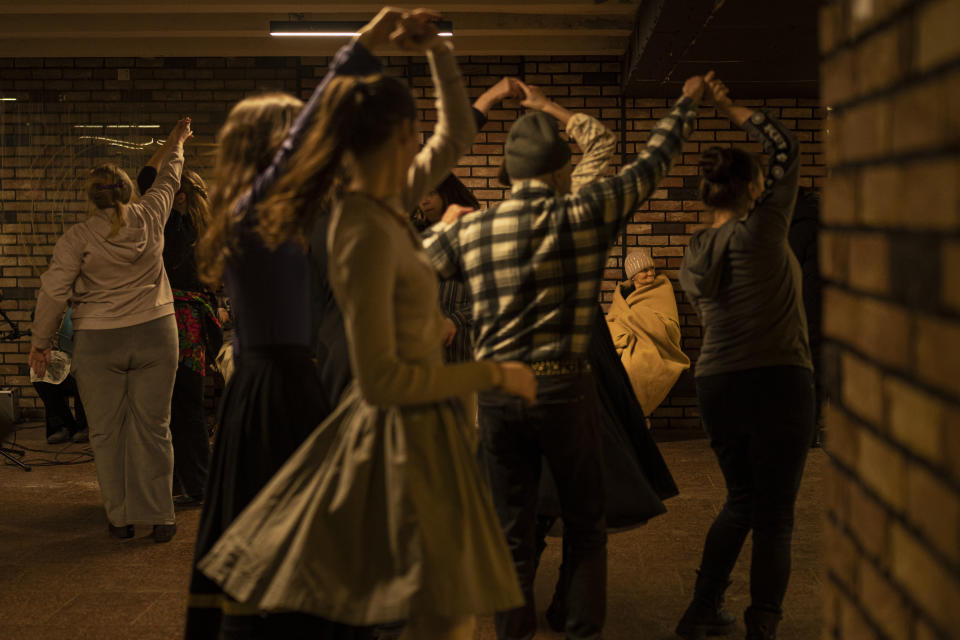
(109, 269)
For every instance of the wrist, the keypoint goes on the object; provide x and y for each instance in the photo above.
(497, 370)
(483, 104)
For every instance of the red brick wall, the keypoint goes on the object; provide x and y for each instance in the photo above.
(891, 253)
(41, 155)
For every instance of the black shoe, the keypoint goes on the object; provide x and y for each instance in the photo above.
(58, 437)
(187, 502)
(126, 531)
(164, 532)
(706, 616)
(761, 625)
(81, 436)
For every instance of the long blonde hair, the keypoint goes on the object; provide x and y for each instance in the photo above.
(247, 142)
(110, 188)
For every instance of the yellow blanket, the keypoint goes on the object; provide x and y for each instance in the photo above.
(646, 332)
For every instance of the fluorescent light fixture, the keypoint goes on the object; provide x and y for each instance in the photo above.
(116, 126)
(8, 99)
(313, 29)
(123, 144)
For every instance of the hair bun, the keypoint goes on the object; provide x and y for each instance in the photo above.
(716, 163)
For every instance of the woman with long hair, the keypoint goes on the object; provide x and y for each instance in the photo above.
(198, 330)
(381, 515)
(755, 374)
(109, 269)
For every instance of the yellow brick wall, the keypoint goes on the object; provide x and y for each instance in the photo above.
(890, 252)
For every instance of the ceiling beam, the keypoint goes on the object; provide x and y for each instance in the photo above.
(255, 25)
(66, 47)
(366, 7)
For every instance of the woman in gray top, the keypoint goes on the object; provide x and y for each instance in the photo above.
(754, 375)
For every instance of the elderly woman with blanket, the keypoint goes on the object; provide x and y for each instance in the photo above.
(645, 327)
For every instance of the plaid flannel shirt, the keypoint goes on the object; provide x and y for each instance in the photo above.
(533, 263)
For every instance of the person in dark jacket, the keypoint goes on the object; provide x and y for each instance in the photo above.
(199, 329)
(755, 373)
(62, 424)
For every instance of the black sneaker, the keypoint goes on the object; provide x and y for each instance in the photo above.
(81, 436)
(126, 531)
(59, 437)
(164, 532)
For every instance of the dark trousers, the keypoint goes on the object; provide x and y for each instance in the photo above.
(56, 405)
(560, 428)
(760, 422)
(191, 444)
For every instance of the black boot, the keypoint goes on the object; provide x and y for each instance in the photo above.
(761, 625)
(705, 616)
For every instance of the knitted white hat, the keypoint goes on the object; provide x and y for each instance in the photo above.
(637, 261)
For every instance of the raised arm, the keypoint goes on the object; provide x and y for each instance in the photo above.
(354, 59)
(610, 201)
(157, 200)
(598, 145)
(455, 130)
(365, 291)
(148, 174)
(505, 88)
(770, 218)
(595, 140)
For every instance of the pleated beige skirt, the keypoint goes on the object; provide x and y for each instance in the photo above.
(380, 511)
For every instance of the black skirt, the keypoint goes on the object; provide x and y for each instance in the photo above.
(636, 478)
(271, 404)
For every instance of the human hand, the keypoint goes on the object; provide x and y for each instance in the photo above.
(223, 316)
(181, 132)
(504, 88)
(449, 332)
(518, 380)
(39, 359)
(417, 32)
(533, 97)
(507, 87)
(694, 87)
(719, 93)
(454, 212)
(377, 32)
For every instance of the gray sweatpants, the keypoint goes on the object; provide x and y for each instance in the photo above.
(126, 379)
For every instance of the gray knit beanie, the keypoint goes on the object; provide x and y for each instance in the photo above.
(534, 147)
(638, 261)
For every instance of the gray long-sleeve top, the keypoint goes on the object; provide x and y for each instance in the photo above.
(742, 278)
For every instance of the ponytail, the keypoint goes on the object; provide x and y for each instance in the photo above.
(109, 188)
(356, 115)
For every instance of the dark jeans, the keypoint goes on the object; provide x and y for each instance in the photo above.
(56, 405)
(760, 422)
(562, 429)
(191, 444)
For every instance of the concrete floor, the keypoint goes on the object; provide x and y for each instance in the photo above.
(62, 576)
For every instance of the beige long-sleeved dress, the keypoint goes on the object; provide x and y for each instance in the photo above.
(382, 510)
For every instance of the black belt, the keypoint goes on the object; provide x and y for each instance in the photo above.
(559, 367)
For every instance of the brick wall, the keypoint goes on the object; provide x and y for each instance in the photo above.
(42, 153)
(891, 251)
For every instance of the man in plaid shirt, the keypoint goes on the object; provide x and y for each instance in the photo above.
(533, 264)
